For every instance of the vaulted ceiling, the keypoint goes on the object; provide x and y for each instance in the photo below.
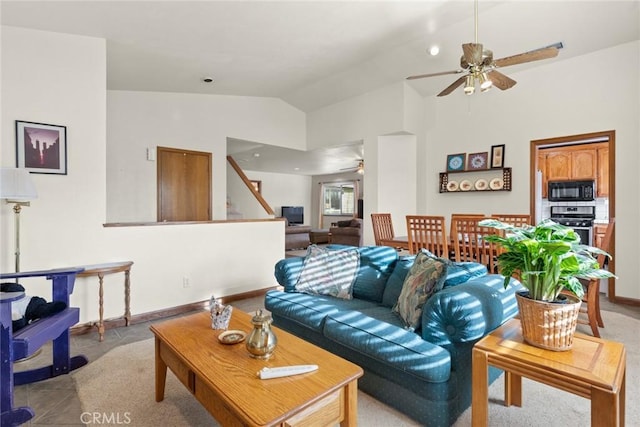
(316, 53)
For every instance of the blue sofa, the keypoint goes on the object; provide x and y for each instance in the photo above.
(425, 373)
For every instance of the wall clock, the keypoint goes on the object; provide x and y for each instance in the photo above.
(455, 162)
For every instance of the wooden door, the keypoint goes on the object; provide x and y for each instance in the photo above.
(584, 164)
(184, 185)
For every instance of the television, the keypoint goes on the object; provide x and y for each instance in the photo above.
(294, 214)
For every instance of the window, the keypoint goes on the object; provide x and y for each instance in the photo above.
(339, 199)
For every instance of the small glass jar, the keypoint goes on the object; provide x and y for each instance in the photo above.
(261, 342)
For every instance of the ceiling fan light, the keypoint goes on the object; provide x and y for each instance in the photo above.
(485, 83)
(469, 85)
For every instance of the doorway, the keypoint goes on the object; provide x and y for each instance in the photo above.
(604, 176)
(184, 185)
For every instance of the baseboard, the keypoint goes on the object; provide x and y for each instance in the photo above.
(626, 301)
(167, 312)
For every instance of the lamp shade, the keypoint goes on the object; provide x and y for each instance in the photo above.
(17, 185)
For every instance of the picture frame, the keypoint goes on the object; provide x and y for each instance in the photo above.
(497, 156)
(41, 147)
(477, 161)
(257, 186)
(455, 162)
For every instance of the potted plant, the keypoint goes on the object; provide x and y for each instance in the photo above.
(547, 258)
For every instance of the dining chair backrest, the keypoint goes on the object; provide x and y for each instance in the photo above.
(458, 215)
(428, 232)
(382, 228)
(606, 241)
(469, 243)
(517, 220)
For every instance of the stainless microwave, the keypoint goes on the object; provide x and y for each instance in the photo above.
(571, 191)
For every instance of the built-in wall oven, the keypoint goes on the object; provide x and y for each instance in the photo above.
(571, 191)
(580, 218)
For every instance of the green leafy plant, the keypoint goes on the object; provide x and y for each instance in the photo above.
(548, 258)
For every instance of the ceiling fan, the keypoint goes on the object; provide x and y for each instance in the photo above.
(479, 65)
(358, 169)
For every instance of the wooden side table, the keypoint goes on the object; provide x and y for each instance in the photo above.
(101, 270)
(594, 368)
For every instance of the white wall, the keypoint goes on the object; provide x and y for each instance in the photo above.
(277, 189)
(64, 226)
(585, 94)
(137, 120)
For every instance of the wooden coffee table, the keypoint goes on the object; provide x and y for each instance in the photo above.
(224, 377)
(593, 368)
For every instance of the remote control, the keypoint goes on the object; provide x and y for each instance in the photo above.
(285, 371)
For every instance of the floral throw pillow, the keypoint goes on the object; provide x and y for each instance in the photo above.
(426, 277)
(329, 272)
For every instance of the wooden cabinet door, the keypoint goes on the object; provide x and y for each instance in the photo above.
(602, 177)
(184, 185)
(584, 164)
(558, 166)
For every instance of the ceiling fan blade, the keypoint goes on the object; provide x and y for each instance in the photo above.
(453, 86)
(534, 55)
(443, 73)
(501, 81)
(472, 53)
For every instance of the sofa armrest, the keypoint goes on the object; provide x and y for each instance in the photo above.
(467, 312)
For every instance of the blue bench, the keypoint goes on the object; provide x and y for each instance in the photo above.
(28, 340)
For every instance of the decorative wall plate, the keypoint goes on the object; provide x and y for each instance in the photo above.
(232, 337)
(452, 186)
(496, 184)
(481, 184)
(466, 185)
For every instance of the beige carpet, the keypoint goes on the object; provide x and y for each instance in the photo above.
(122, 383)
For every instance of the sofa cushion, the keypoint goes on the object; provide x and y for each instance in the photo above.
(396, 280)
(462, 272)
(329, 272)
(392, 346)
(376, 265)
(309, 310)
(425, 277)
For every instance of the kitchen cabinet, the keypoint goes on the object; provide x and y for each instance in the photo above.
(602, 177)
(577, 162)
(599, 231)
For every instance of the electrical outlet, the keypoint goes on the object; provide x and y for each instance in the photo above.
(185, 282)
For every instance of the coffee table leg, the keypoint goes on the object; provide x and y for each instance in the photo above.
(350, 404)
(605, 408)
(512, 389)
(161, 373)
(480, 387)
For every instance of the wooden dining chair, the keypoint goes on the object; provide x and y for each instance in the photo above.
(382, 228)
(428, 232)
(517, 220)
(591, 299)
(469, 243)
(458, 215)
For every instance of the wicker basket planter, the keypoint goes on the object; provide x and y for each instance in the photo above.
(549, 325)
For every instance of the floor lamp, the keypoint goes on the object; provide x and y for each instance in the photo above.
(17, 188)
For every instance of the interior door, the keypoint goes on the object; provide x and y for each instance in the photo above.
(184, 185)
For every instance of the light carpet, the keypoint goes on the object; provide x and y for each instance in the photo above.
(122, 383)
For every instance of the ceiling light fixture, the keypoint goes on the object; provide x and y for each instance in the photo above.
(434, 50)
(208, 79)
(485, 83)
(469, 85)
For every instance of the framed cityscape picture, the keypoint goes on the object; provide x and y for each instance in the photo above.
(41, 148)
